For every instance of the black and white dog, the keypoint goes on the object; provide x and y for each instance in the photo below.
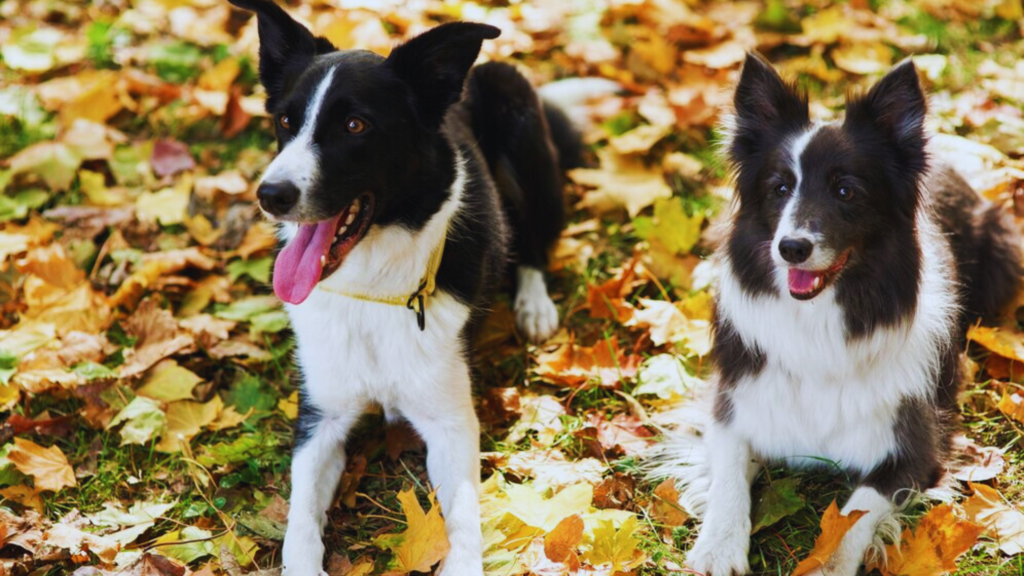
(398, 185)
(851, 268)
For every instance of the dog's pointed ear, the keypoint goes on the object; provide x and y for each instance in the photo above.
(435, 64)
(286, 47)
(764, 101)
(895, 107)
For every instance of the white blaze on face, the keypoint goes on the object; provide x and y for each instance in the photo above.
(787, 227)
(299, 161)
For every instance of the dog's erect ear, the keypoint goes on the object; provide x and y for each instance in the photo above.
(896, 108)
(764, 102)
(435, 64)
(286, 47)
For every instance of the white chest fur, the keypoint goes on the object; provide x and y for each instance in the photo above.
(375, 352)
(819, 396)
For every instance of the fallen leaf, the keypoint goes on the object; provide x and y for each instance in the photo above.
(185, 419)
(833, 527)
(143, 419)
(561, 543)
(168, 382)
(933, 547)
(863, 58)
(424, 542)
(158, 337)
(1003, 521)
(48, 467)
(1012, 405)
(621, 182)
(781, 498)
(665, 507)
(618, 550)
(541, 414)
(170, 157)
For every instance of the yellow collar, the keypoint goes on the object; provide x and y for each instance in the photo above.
(415, 301)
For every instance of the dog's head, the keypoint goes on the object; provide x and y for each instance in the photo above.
(359, 136)
(819, 200)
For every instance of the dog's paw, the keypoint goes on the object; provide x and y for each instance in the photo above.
(720, 554)
(455, 566)
(536, 315)
(303, 551)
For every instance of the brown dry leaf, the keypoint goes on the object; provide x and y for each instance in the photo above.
(621, 182)
(623, 433)
(52, 265)
(607, 300)
(158, 337)
(25, 495)
(560, 544)
(933, 547)
(424, 542)
(639, 140)
(154, 266)
(1012, 405)
(1003, 521)
(258, 238)
(833, 527)
(170, 157)
(975, 463)
(574, 365)
(239, 347)
(68, 535)
(47, 466)
(665, 506)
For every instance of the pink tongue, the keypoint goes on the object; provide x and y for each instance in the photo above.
(298, 268)
(801, 281)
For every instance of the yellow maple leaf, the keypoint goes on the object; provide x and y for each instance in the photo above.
(424, 543)
(48, 466)
(999, 341)
(185, 419)
(931, 549)
(833, 527)
(615, 548)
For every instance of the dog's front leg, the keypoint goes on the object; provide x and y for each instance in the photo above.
(724, 539)
(317, 464)
(449, 427)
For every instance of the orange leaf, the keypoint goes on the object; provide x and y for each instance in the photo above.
(574, 365)
(999, 341)
(607, 300)
(931, 549)
(48, 466)
(665, 506)
(1013, 406)
(560, 544)
(833, 527)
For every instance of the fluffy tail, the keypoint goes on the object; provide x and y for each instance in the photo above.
(682, 454)
(993, 275)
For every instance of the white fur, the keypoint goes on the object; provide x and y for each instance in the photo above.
(299, 161)
(354, 353)
(536, 314)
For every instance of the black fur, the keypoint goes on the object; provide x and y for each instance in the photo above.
(734, 360)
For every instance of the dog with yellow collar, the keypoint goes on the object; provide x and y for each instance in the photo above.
(401, 186)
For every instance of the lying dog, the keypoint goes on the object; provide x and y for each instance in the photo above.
(852, 266)
(396, 197)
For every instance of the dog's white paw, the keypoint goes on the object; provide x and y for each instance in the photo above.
(720, 553)
(303, 551)
(536, 315)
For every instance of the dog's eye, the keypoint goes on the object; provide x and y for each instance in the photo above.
(355, 125)
(844, 193)
(782, 190)
(284, 122)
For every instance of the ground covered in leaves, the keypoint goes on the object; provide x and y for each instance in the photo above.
(146, 368)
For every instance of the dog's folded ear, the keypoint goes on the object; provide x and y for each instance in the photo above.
(764, 102)
(894, 107)
(435, 64)
(286, 47)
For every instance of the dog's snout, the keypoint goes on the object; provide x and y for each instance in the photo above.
(795, 250)
(277, 198)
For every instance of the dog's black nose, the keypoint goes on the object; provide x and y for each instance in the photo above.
(795, 250)
(277, 198)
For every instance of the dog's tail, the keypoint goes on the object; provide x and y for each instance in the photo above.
(682, 455)
(993, 276)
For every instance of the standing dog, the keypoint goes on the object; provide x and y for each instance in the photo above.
(851, 268)
(396, 197)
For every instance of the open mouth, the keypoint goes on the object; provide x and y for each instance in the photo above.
(319, 249)
(806, 284)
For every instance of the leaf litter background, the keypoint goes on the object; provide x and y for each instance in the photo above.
(146, 366)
